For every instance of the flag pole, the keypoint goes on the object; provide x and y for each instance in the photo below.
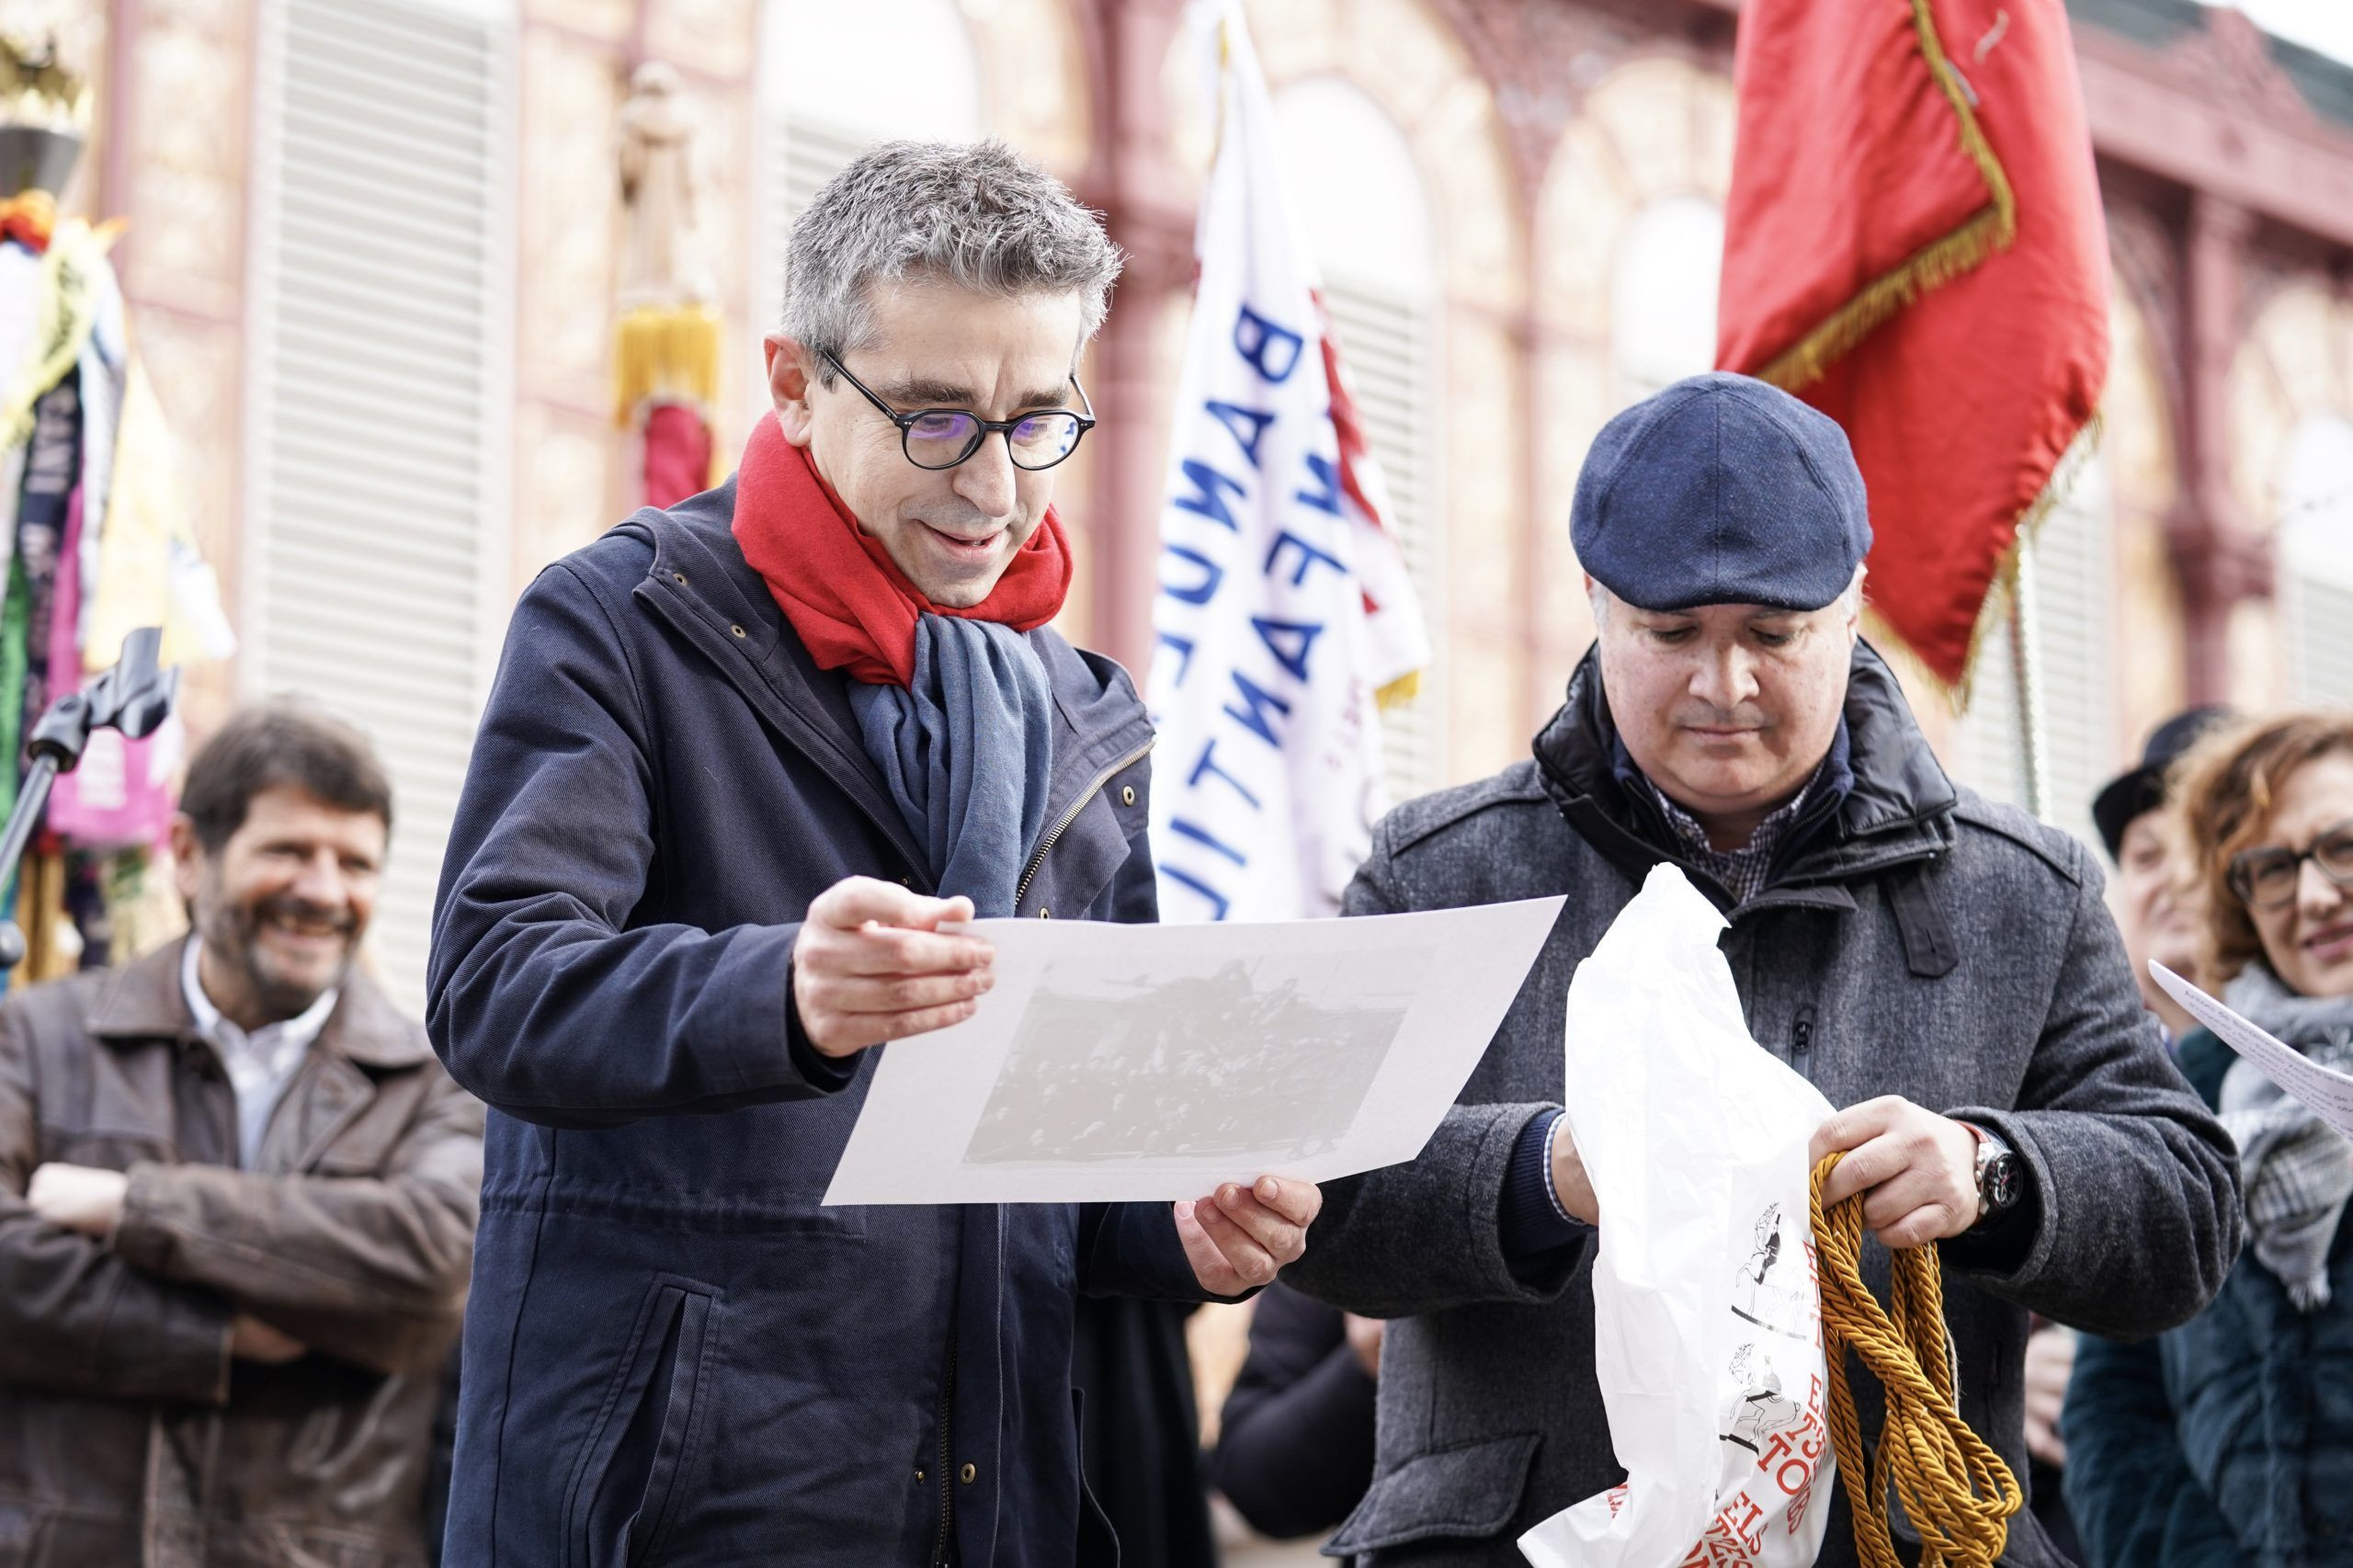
(2026, 668)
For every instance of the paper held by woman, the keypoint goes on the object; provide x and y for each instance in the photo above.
(2328, 1093)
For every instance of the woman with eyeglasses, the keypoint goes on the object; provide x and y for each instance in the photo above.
(2230, 1440)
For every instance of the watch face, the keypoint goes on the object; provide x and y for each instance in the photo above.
(2000, 1182)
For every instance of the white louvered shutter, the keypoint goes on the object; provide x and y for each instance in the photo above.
(376, 575)
(2320, 639)
(2074, 580)
(2315, 558)
(1385, 345)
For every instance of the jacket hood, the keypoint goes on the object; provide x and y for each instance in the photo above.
(1899, 808)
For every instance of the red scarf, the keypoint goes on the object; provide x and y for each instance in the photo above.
(853, 607)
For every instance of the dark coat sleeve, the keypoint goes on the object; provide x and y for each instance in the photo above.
(1426, 1235)
(2129, 1488)
(1294, 1448)
(541, 996)
(74, 1318)
(2137, 1184)
(371, 1270)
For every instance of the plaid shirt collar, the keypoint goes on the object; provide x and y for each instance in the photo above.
(1742, 871)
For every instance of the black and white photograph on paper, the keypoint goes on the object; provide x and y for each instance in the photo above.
(1260, 1054)
(1119, 1062)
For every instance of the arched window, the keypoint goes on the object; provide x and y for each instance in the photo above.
(379, 405)
(2315, 561)
(2074, 573)
(1663, 295)
(1366, 214)
(815, 116)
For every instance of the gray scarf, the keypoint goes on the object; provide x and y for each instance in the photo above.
(967, 752)
(2298, 1174)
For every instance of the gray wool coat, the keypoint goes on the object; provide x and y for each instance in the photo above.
(1922, 943)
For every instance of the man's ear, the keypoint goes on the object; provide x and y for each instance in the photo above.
(188, 869)
(792, 376)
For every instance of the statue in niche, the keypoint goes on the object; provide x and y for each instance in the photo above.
(663, 259)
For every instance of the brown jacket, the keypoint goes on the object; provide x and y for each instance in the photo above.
(127, 1435)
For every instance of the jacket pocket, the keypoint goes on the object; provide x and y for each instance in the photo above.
(645, 1438)
(1468, 1494)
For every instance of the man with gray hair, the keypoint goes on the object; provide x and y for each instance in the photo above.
(748, 765)
(1941, 968)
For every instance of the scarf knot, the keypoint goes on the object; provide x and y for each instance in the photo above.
(952, 705)
(851, 606)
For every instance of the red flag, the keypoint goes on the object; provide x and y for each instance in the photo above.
(1914, 245)
(678, 453)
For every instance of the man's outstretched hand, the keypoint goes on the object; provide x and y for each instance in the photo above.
(1239, 1238)
(871, 965)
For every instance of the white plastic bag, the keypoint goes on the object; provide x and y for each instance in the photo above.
(1707, 1305)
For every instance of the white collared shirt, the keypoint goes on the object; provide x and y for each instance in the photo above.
(259, 1064)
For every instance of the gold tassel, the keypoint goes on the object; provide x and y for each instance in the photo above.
(668, 353)
(1399, 692)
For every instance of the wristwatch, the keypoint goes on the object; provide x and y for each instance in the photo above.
(2000, 1174)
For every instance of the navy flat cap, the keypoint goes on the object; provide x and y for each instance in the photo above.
(1721, 490)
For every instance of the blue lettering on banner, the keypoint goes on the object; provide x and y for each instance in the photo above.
(1210, 489)
(1258, 700)
(1289, 640)
(1219, 902)
(1199, 593)
(1324, 473)
(1246, 425)
(1183, 648)
(1261, 341)
(1207, 840)
(1308, 556)
(1246, 492)
(1208, 765)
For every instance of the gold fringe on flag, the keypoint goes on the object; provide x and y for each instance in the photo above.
(1991, 228)
(666, 352)
(2003, 588)
(1995, 612)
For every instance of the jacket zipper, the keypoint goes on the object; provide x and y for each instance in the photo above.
(1071, 816)
(1801, 1041)
(939, 1556)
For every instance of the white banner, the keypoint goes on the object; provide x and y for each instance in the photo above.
(1283, 605)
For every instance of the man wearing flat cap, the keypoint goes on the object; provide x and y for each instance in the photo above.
(1940, 967)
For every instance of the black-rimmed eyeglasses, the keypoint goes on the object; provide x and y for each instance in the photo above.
(942, 437)
(2266, 878)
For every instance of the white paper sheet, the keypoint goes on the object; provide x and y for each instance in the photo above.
(2328, 1093)
(1137, 1063)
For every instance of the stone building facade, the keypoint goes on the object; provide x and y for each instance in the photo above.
(371, 262)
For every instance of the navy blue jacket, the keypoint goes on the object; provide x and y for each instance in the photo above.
(2227, 1442)
(674, 1353)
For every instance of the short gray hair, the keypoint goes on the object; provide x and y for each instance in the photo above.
(973, 213)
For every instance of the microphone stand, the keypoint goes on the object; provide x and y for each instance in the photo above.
(134, 697)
